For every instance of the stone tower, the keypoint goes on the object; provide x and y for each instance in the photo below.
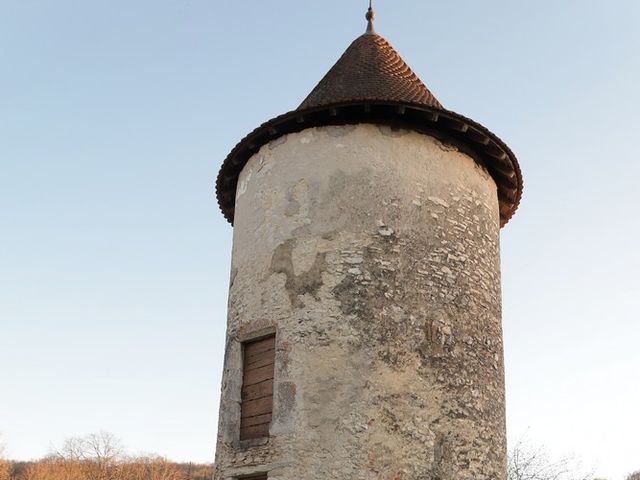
(364, 336)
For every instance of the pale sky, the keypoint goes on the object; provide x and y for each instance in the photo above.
(116, 115)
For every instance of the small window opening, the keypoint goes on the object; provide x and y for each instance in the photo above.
(257, 389)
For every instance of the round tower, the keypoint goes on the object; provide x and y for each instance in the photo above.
(364, 336)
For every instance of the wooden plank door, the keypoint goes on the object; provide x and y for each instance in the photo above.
(257, 388)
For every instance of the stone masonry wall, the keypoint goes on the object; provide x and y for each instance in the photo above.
(373, 254)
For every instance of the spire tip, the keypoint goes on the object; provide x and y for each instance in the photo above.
(370, 16)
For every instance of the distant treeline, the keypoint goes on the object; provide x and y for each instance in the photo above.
(100, 457)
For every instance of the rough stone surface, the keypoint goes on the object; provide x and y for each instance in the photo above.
(374, 255)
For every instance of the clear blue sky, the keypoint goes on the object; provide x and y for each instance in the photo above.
(115, 116)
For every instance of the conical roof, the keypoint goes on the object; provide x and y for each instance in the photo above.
(370, 69)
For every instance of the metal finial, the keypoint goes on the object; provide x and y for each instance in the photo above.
(370, 16)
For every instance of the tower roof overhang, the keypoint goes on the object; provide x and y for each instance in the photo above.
(467, 135)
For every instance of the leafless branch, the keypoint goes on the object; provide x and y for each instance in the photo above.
(534, 463)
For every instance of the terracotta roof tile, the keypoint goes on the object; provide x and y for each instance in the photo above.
(370, 69)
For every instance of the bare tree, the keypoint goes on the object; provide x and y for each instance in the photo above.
(634, 476)
(72, 450)
(534, 463)
(103, 448)
(97, 456)
(54, 468)
(150, 468)
(5, 465)
(5, 469)
(100, 457)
